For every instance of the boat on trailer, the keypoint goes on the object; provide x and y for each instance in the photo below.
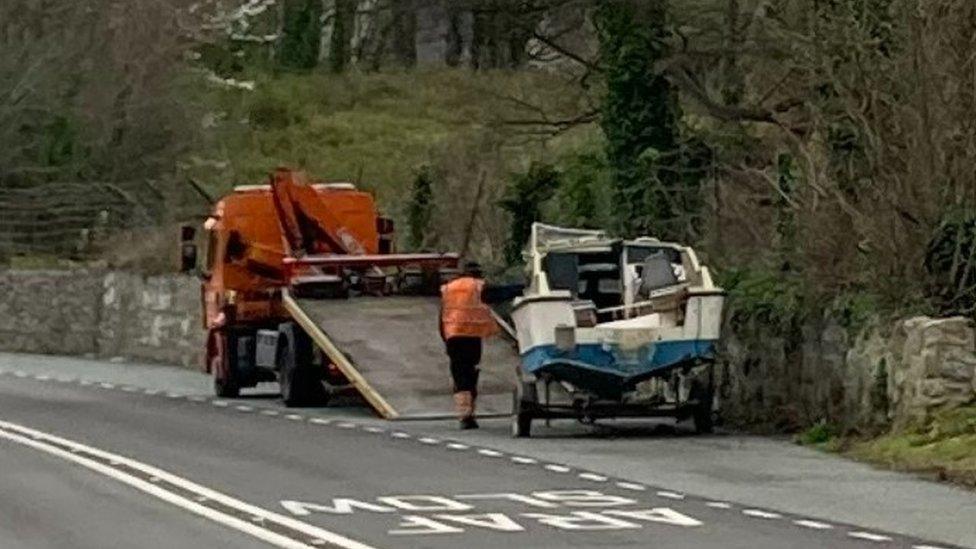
(600, 316)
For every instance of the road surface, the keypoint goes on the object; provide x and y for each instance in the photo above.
(99, 455)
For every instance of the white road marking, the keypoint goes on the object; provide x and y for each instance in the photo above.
(816, 525)
(374, 429)
(759, 513)
(269, 412)
(927, 547)
(16, 433)
(670, 495)
(718, 505)
(557, 468)
(868, 536)
(315, 420)
(84, 382)
(174, 395)
(428, 440)
(631, 486)
(18, 373)
(295, 417)
(592, 476)
(346, 425)
(129, 389)
(524, 460)
(107, 385)
(244, 408)
(458, 446)
(220, 403)
(400, 434)
(42, 377)
(490, 453)
(151, 392)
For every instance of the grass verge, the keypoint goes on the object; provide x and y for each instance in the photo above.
(945, 448)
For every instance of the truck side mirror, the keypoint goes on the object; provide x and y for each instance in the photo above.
(188, 250)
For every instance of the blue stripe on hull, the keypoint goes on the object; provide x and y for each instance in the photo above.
(609, 369)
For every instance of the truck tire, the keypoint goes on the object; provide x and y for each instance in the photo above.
(225, 382)
(300, 385)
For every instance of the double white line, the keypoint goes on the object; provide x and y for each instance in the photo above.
(273, 528)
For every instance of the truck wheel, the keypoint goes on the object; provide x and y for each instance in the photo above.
(225, 382)
(702, 413)
(300, 386)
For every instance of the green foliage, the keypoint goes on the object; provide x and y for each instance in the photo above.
(951, 264)
(524, 198)
(420, 209)
(776, 300)
(854, 309)
(820, 433)
(584, 196)
(301, 38)
(640, 112)
(59, 143)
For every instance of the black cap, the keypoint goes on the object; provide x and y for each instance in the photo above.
(473, 268)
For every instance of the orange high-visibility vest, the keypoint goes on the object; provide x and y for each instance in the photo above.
(463, 314)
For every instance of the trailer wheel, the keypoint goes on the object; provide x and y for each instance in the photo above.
(225, 382)
(702, 413)
(521, 418)
(300, 386)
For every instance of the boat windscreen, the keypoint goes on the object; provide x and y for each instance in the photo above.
(562, 270)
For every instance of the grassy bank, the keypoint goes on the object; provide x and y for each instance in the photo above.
(374, 128)
(944, 449)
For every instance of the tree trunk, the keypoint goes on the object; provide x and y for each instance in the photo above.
(405, 32)
(340, 51)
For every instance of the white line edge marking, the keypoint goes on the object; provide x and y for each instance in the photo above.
(524, 460)
(759, 513)
(670, 495)
(428, 440)
(868, 536)
(400, 434)
(244, 408)
(185, 484)
(631, 486)
(718, 505)
(374, 429)
(816, 525)
(557, 468)
(490, 453)
(295, 417)
(926, 547)
(593, 476)
(346, 425)
(458, 446)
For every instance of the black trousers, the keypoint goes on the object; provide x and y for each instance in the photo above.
(465, 355)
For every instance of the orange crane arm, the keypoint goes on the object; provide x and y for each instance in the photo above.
(306, 221)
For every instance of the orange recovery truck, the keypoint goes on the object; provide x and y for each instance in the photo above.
(302, 285)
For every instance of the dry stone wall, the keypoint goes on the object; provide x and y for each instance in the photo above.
(102, 313)
(897, 375)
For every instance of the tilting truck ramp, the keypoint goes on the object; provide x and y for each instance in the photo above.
(390, 349)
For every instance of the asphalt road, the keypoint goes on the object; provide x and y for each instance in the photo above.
(105, 455)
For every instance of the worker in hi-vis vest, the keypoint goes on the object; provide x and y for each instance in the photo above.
(465, 321)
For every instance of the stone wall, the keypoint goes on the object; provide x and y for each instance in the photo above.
(898, 375)
(104, 314)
